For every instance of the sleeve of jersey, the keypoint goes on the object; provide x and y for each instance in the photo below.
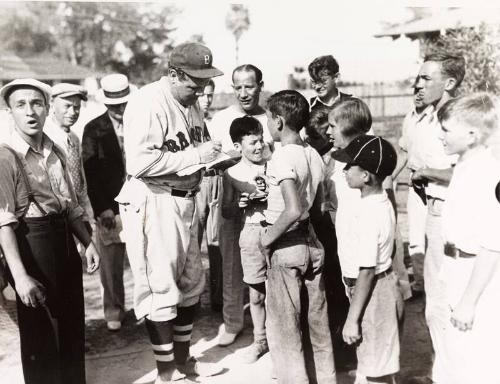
(145, 152)
(367, 244)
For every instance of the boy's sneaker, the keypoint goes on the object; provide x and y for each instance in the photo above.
(193, 367)
(254, 352)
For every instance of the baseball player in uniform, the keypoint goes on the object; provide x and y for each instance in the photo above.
(163, 134)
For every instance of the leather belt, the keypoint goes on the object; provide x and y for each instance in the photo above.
(183, 194)
(351, 282)
(300, 225)
(211, 172)
(451, 251)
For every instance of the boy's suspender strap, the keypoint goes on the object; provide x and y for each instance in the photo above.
(31, 196)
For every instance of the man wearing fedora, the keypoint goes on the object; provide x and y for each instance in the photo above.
(65, 111)
(39, 214)
(164, 135)
(104, 164)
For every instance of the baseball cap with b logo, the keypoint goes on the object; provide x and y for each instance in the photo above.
(371, 153)
(195, 60)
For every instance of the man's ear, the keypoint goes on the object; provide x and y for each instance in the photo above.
(336, 77)
(172, 73)
(450, 84)
(261, 84)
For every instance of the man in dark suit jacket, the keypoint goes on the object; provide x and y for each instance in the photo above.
(104, 164)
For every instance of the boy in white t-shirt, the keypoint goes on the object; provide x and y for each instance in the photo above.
(471, 218)
(242, 198)
(376, 302)
(295, 286)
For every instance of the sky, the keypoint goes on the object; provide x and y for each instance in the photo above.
(284, 34)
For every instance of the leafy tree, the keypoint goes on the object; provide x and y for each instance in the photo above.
(23, 29)
(480, 47)
(237, 21)
(131, 38)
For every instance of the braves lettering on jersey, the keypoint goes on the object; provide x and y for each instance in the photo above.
(161, 136)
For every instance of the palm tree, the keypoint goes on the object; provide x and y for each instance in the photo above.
(237, 21)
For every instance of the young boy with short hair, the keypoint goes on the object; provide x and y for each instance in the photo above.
(372, 287)
(295, 286)
(240, 191)
(324, 73)
(471, 218)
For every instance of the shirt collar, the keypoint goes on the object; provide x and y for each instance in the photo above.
(20, 145)
(428, 112)
(115, 122)
(318, 100)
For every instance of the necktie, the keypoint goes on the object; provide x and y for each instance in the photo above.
(74, 165)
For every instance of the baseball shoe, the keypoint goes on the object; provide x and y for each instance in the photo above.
(254, 352)
(169, 376)
(193, 367)
(114, 325)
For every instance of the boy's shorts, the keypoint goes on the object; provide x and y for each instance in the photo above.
(252, 260)
(378, 352)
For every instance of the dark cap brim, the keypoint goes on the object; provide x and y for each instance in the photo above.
(341, 156)
(205, 73)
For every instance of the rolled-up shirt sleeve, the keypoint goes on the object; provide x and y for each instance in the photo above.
(145, 131)
(8, 181)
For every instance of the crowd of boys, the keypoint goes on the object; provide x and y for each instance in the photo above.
(297, 201)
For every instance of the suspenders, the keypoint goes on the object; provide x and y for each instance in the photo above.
(31, 196)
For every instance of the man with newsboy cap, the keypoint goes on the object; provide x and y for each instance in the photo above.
(39, 214)
(163, 132)
(65, 110)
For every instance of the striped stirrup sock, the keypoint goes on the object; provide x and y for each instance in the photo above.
(182, 333)
(160, 335)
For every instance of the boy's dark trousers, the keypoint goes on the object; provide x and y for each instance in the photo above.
(297, 319)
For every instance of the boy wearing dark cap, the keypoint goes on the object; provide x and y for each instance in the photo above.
(371, 285)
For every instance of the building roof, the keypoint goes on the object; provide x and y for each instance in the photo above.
(446, 18)
(41, 67)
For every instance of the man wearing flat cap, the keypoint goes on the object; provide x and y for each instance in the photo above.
(66, 104)
(104, 164)
(39, 214)
(163, 132)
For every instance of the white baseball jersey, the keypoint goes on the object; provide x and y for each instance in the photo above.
(160, 137)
